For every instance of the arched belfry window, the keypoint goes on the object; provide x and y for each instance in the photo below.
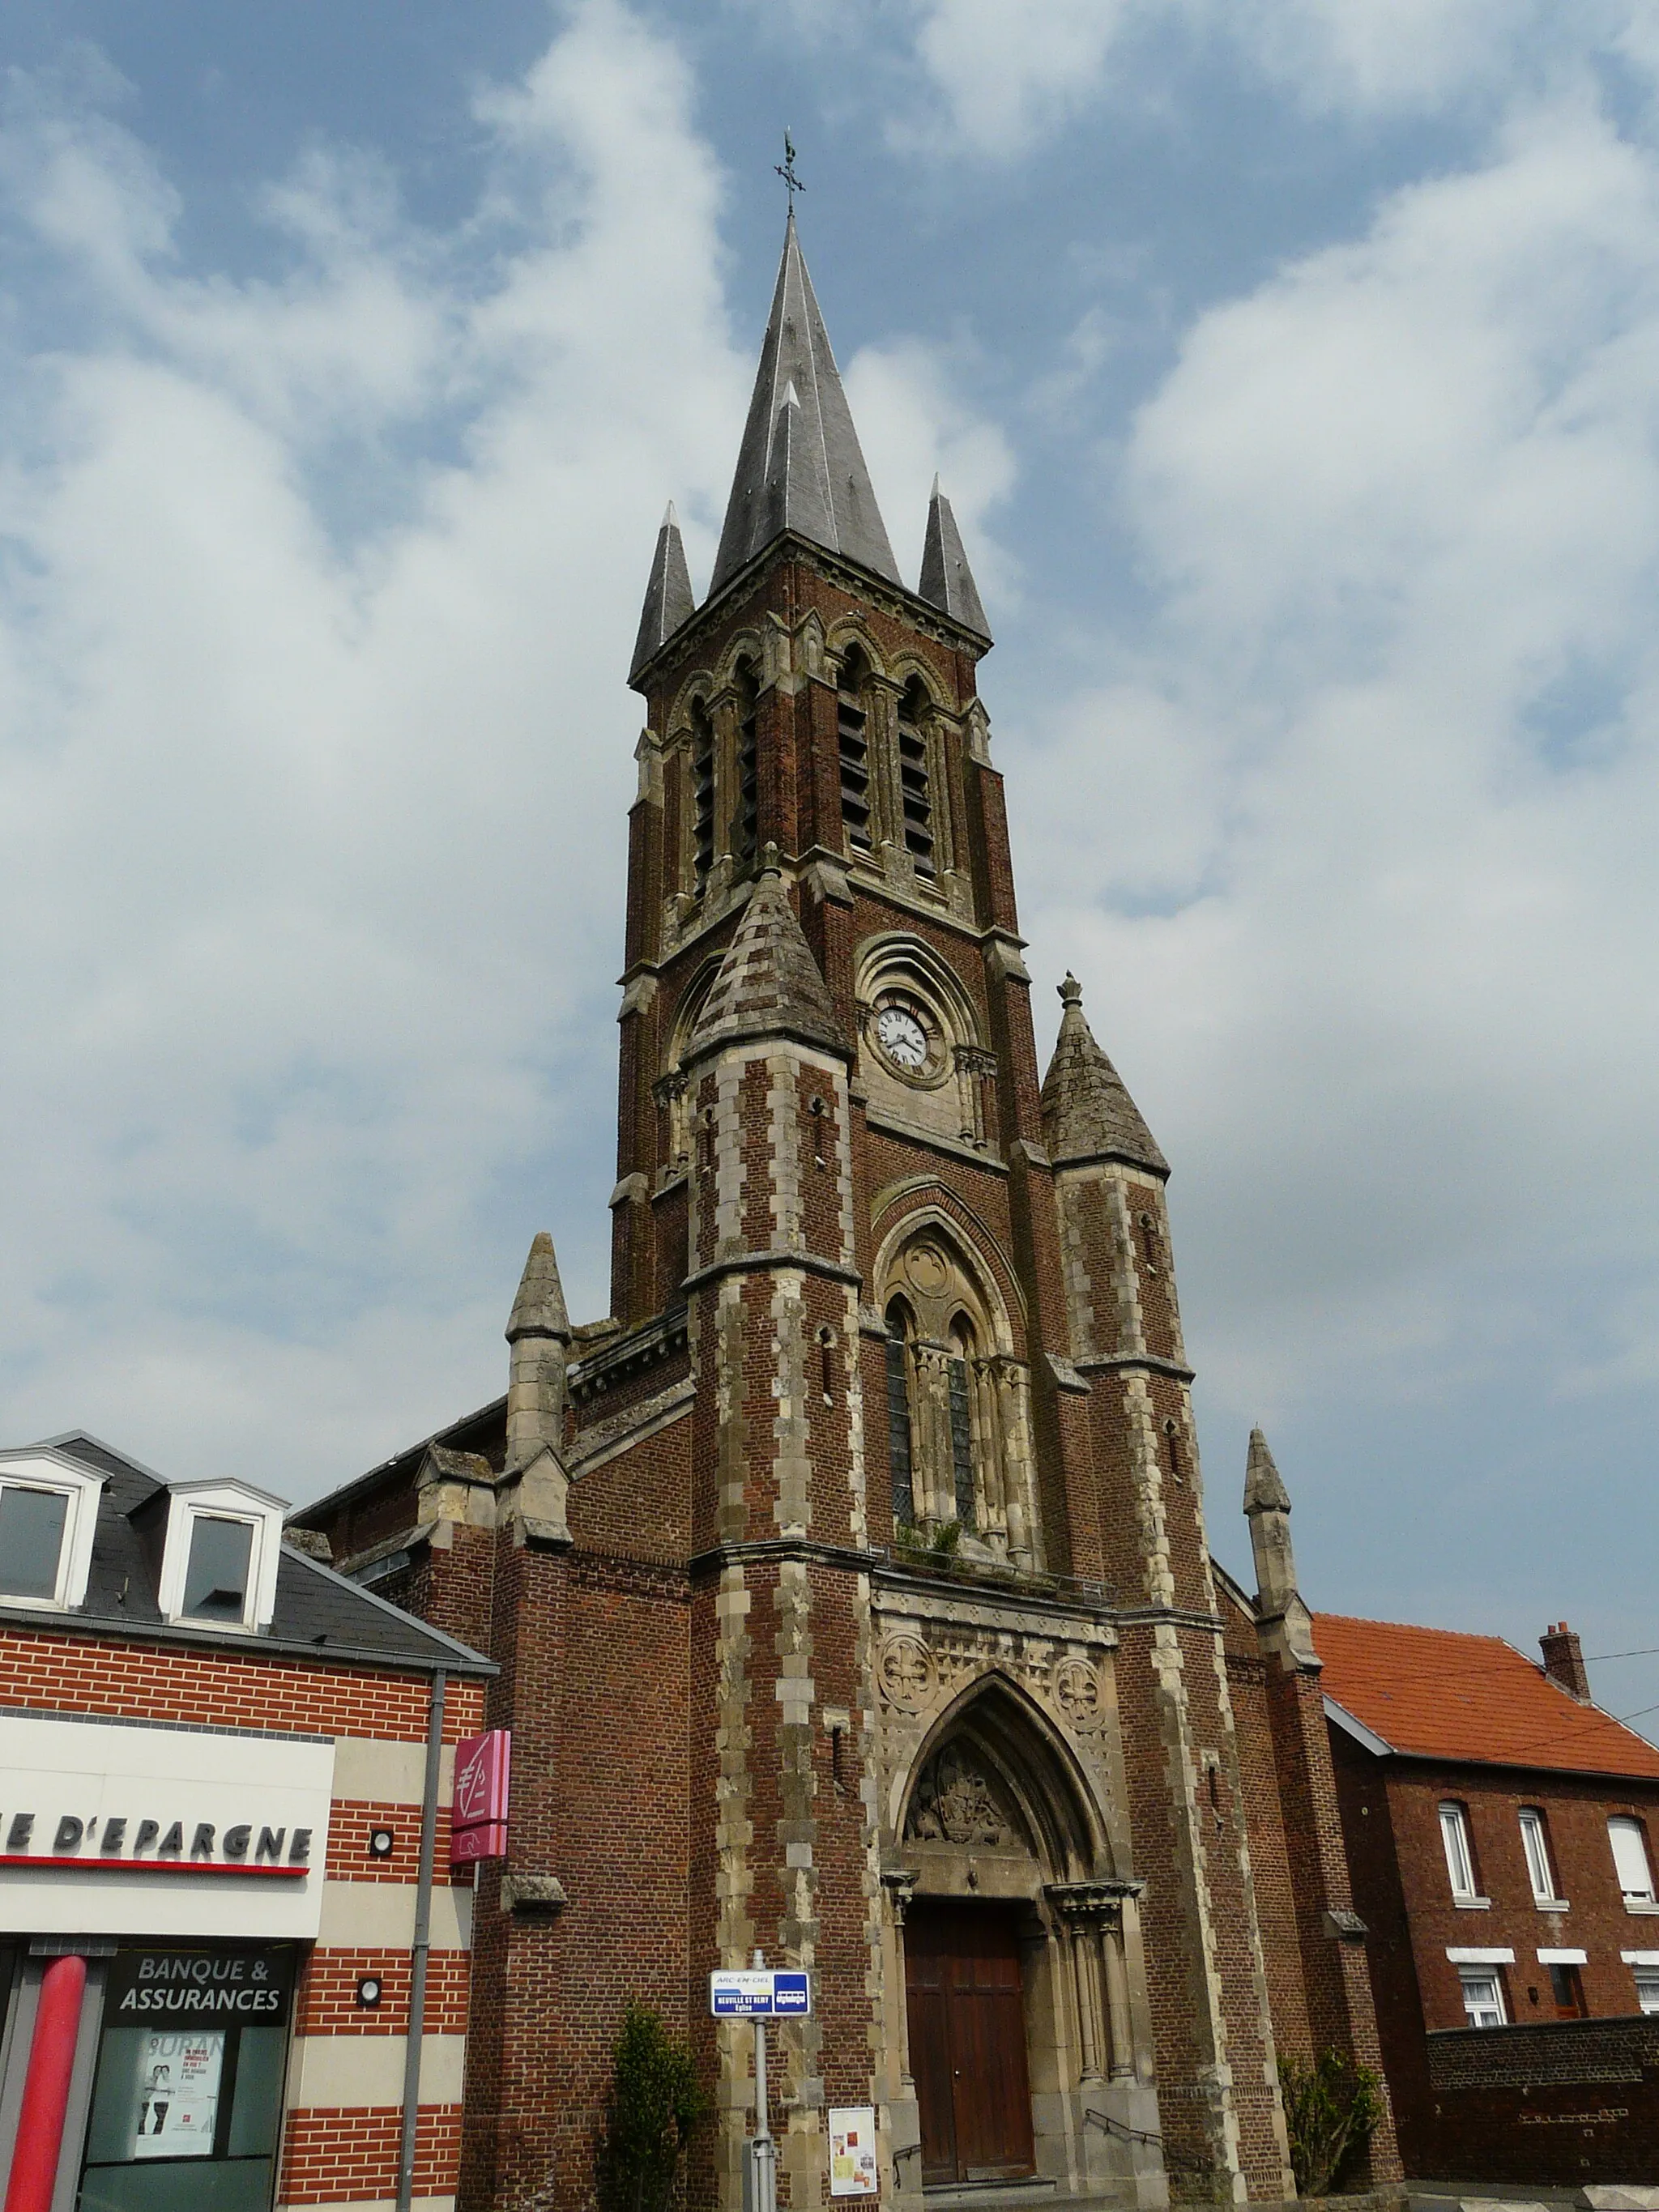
(746, 811)
(853, 737)
(958, 1439)
(916, 783)
(702, 795)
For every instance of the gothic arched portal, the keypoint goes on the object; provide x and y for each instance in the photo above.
(1009, 1946)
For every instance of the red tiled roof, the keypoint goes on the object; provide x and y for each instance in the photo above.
(1435, 1693)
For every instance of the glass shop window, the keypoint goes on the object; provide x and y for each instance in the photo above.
(216, 1579)
(32, 1526)
(187, 2105)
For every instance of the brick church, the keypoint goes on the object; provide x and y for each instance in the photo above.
(849, 1581)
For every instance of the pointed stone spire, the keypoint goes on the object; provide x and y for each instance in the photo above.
(769, 983)
(539, 1308)
(1264, 1486)
(668, 599)
(946, 579)
(1286, 1626)
(800, 466)
(1087, 1115)
(539, 1334)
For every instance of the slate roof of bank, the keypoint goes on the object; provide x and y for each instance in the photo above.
(1439, 1694)
(319, 1615)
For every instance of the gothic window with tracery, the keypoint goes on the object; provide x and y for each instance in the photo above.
(960, 1384)
(958, 1439)
(900, 1329)
(915, 784)
(853, 737)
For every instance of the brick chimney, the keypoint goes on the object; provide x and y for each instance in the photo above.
(1563, 1660)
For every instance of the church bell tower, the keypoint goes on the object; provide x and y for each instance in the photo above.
(959, 1734)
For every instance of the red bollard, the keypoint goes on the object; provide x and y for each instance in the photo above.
(46, 2088)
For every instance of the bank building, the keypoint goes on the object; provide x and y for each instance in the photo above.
(848, 1582)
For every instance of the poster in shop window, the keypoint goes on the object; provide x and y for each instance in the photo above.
(853, 2150)
(178, 2075)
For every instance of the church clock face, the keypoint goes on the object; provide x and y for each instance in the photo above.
(903, 1039)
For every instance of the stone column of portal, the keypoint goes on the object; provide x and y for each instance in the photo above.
(783, 1816)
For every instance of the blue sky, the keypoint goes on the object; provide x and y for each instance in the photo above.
(1292, 364)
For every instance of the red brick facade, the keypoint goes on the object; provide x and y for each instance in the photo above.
(331, 2155)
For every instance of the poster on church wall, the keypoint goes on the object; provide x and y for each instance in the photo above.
(853, 2150)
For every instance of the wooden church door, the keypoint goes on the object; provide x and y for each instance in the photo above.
(967, 2015)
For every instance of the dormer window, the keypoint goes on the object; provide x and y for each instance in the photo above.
(48, 1508)
(217, 1574)
(219, 1568)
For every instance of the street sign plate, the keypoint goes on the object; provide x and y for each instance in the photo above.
(759, 1993)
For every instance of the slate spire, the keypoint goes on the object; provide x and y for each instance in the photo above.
(946, 579)
(1087, 1115)
(800, 466)
(668, 598)
(769, 983)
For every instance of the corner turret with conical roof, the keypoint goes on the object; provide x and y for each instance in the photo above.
(1087, 1112)
(769, 985)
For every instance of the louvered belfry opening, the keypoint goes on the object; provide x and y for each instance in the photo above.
(915, 788)
(746, 812)
(853, 733)
(702, 796)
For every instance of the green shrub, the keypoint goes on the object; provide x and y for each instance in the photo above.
(1330, 2109)
(656, 2107)
(938, 1550)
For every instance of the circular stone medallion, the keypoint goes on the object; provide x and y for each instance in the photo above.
(1076, 1693)
(906, 1672)
(925, 1265)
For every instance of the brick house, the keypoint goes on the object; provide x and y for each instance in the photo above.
(225, 1769)
(1501, 1833)
(849, 1579)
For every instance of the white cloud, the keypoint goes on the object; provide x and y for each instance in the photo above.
(317, 589)
(1007, 74)
(313, 818)
(1382, 980)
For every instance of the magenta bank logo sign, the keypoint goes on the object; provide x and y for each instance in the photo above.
(478, 1809)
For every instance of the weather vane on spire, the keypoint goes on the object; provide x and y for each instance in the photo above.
(786, 169)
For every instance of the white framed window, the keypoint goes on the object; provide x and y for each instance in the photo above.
(48, 1516)
(1483, 1997)
(1535, 1841)
(1460, 1860)
(223, 1545)
(1647, 1987)
(1630, 1859)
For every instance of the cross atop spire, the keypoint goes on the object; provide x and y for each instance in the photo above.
(786, 169)
(800, 466)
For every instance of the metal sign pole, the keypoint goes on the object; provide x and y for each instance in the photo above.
(760, 2172)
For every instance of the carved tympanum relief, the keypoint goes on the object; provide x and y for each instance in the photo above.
(956, 1802)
